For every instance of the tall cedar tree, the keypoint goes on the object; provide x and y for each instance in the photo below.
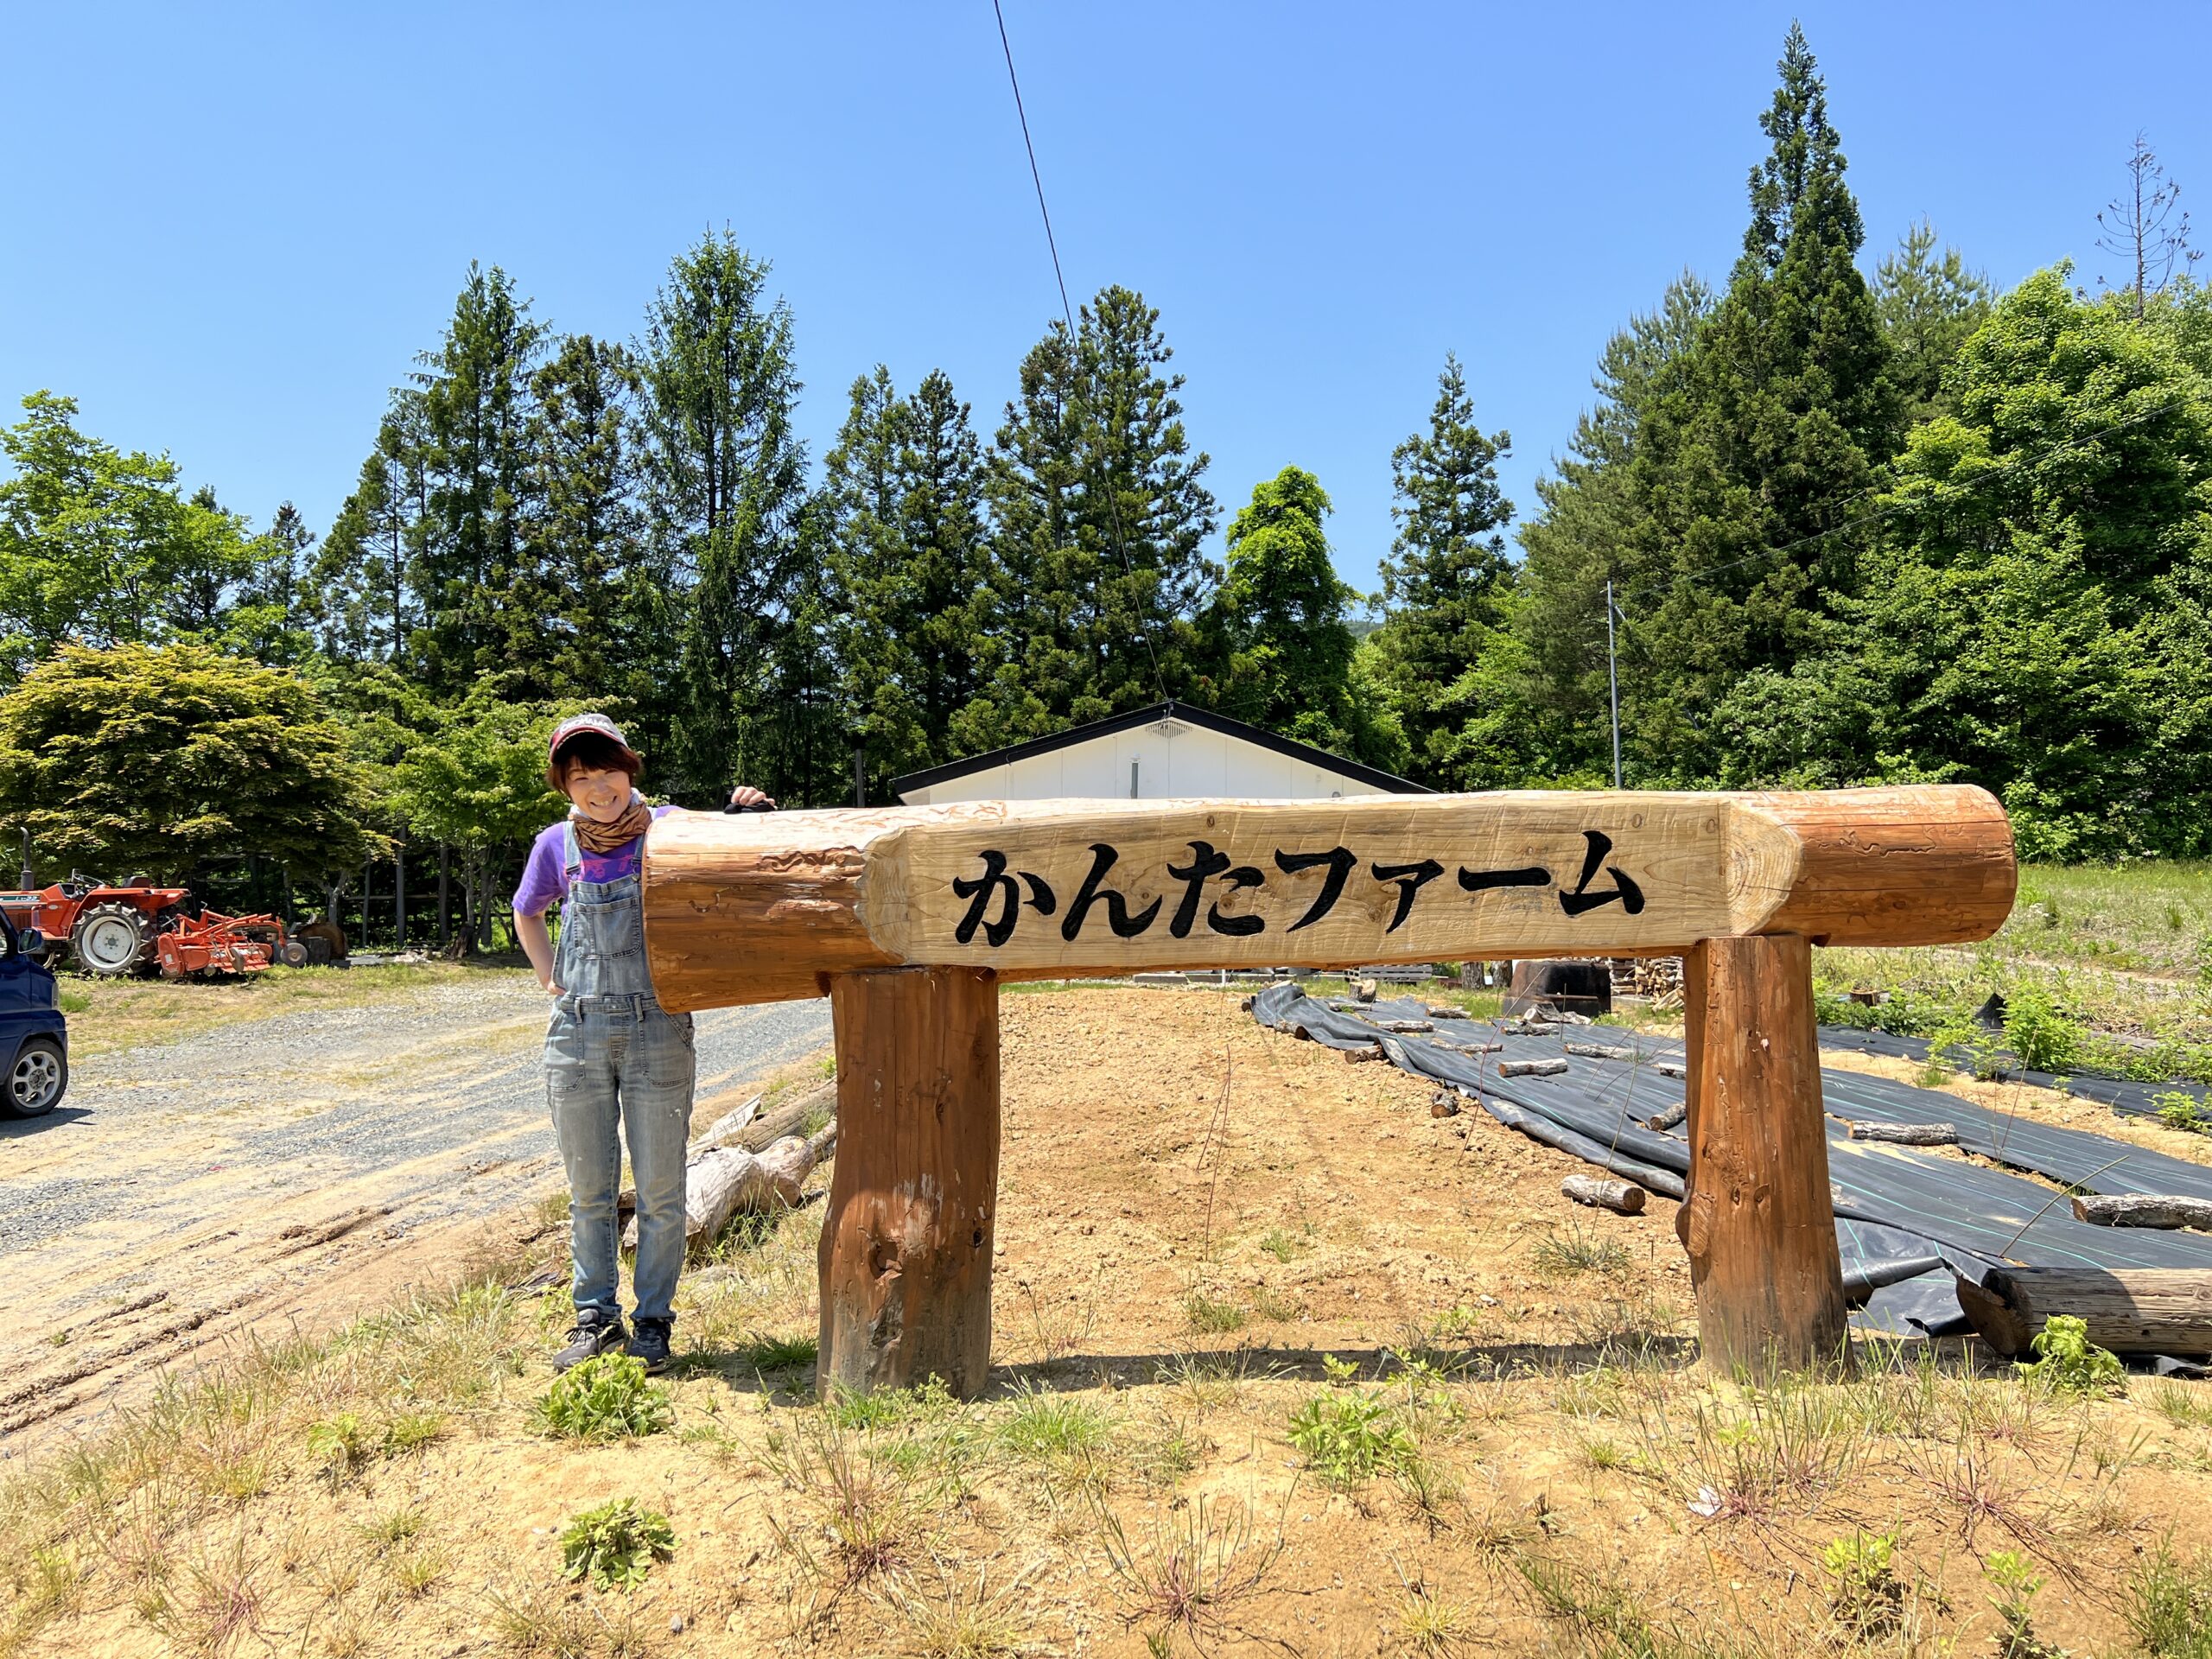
(364, 603)
(904, 499)
(1282, 611)
(1547, 688)
(725, 486)
(1099, 515)
(473, 568)
(1774, 430)
(1447, 575)
(585, 579)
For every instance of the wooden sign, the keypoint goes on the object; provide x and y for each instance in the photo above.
(757, 908)
(909, 917)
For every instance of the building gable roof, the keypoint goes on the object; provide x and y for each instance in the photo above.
(1189, 714)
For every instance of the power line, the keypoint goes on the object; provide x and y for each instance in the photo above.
(1067, 312)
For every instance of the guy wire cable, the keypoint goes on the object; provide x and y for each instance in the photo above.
(1067, 312)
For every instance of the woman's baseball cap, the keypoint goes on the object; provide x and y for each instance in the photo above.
(584, 725)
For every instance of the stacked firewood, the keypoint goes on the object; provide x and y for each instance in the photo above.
(1659, 978)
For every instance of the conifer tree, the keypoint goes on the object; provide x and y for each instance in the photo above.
(1929, 306)
(1099, 514)
(473, 558)
(903, 497)
(725, 485)
(1776, 427)
(1447, 573)
(363, 600)
(583, 579)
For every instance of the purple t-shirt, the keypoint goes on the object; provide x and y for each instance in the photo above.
(544, 877)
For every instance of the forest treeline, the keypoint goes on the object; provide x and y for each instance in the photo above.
(1859, 526)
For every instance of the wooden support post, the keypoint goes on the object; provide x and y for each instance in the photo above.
(1757, 1221)
(905, 1253)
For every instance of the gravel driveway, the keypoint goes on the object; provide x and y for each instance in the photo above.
(181, 1183)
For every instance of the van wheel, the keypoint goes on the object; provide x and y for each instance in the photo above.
(37, 1080)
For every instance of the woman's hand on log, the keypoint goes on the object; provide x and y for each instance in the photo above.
(746, 798)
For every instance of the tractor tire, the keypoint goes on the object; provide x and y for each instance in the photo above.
(292, 954)
(36, 1081)
(112, 938)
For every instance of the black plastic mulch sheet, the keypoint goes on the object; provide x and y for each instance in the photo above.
(2127, 1098)
(1906, 1221)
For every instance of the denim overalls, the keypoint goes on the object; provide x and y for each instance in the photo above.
(610, 1054)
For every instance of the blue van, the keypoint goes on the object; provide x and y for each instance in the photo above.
(33, 1035)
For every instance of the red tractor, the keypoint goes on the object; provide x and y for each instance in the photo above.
(139, 928)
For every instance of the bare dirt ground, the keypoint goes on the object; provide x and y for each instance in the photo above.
(297, 1168)
(1283, 1364)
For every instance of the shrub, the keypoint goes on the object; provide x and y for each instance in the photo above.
(2067, 1362)
(615, 1545)
(607, 1398)
(2179, 1110)
(2040, 1033)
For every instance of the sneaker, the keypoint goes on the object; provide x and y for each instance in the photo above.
(593, 1334)
(650, 1344)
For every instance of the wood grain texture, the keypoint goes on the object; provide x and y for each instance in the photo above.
(905, 1251)
(2128, 1310)
(2143, 1210)
(1758, 1220)
(758, 907)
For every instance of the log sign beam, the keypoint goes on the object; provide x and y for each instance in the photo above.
(907, 918)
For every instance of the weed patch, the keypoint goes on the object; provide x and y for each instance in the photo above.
(607, 1398)
(2067, 1362)
(615, 1545)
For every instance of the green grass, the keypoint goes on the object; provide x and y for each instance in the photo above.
(1212, 1317)
(1563, 1256)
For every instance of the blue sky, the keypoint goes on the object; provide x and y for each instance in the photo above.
(228, 230)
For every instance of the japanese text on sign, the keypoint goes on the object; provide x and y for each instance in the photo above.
(998, 896)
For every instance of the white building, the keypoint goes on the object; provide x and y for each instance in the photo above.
(1169, 752)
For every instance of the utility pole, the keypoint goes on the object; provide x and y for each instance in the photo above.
(1613, 681)
(30, 876)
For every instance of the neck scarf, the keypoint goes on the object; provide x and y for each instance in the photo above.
(597, 837)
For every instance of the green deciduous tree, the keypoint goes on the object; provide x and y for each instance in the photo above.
(472, 777)
(156, 758)
(1281, 610)
(98, 547)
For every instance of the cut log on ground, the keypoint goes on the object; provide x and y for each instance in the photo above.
(1404, 1028)
(1910, 1135)
(1531, 1068)
(1599, 1052)
(1622, 1198)
(2128, 1310)
(2143, 1210)
(1474, 1048)
(1444, 1103)
(722, 1182)
(1667, 1119)
(1357, 1056)
(726, 1127)
(1672, 1068)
